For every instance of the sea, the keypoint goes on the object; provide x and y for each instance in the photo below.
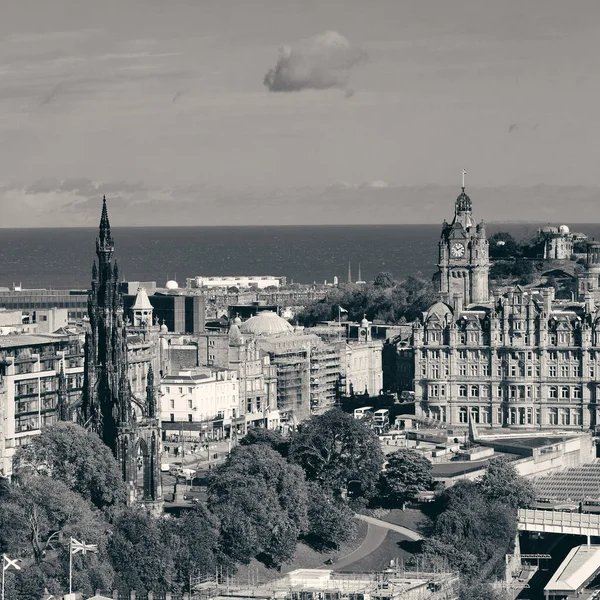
(62, 258)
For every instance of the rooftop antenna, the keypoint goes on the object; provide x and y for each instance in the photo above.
(464, 172)
(349, 273)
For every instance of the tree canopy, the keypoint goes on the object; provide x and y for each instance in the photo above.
(406, 474)
(261, 501)
(472, 532)
(384, 299)
(69, 453)
(336, 450)
(270, 437)
(501, 483)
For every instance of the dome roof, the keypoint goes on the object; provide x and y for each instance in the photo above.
(563, 229)
(364, 322)
(172, 285)
(237, 320)
(266, 323)
(463, 202)
(164, 328)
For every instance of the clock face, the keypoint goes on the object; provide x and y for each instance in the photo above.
(457, 250)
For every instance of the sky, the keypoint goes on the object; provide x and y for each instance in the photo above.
(202, 112)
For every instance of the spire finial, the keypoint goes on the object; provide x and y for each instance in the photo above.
(464, 172)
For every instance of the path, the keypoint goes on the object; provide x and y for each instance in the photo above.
(376, 534)
(409, 533)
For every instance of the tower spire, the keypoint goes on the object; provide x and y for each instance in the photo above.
(349, 273)
(359, 275)
(464, 172)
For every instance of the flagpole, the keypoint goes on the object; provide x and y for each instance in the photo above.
(3, 569)
(70, 567)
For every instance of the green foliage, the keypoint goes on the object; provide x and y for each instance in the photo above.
(389, 303)
(269, 437)
(501, 483)
(67, 452)
(472, 532)
(406, 474)
(504, 245)
(331, 522)
(37, 515)
(334, 449)
(141, 559)
(479, 591)
(261, 501)
(384, 280)
(193, 541)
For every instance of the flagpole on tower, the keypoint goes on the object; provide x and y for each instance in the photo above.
(70, 567)
(463, 179)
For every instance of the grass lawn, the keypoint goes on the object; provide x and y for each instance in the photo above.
(304, 558)
(395, 546)
(411, 518)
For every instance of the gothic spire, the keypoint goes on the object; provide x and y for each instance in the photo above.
(105, 236)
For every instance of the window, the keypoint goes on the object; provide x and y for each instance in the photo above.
(434, 391)
(463, 415)
(172, 418)
(565, 416)
(513, 370)
(564, 393)
(485, 370)
(180, 390)
(475, 391)
(190, 418)
(462, 355)
(577, 393)
(575, 417)
(592, 371)
(474, 370)
(258, 403)
(189, 404)
(499, 415)
(462, 391)
(442, 391)
(249, 405)
(172, 404)
(485, 391)
(462, 370)
(167, 390)
(553, 416)
(190, 390)
(553, 392)
(576, 370)
(564, 371)
(435, 372)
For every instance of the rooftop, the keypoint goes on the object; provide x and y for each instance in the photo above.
(576, 570)
(22, 340)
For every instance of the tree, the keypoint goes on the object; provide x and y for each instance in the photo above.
(503, 245)
(37, 515)
(479, 591)
(270, 437)
(261, 501)
(335, 450)
(140, 558)
(331, 522)
(502, 483)
(384, 280)
(67, 452)
(406, 474)
(193, 543)
(471, 532)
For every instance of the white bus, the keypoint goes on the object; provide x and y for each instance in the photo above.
(359, 413)
(381, 417)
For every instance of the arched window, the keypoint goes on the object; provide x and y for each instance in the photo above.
(475, 391)
(462, 391)
(564, 392)
(577, 393)
(463, 415)
(553, 392)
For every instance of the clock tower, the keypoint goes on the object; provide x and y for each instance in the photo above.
(463, 265)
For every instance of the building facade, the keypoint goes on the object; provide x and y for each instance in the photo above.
(200, 395)
(41, 378)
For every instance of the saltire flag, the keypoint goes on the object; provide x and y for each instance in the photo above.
(82, 547)
(7, 563)
(342, 310)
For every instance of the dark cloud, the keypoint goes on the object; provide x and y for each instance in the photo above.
(319, 63)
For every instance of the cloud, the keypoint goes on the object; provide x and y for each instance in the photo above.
(319, 63)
